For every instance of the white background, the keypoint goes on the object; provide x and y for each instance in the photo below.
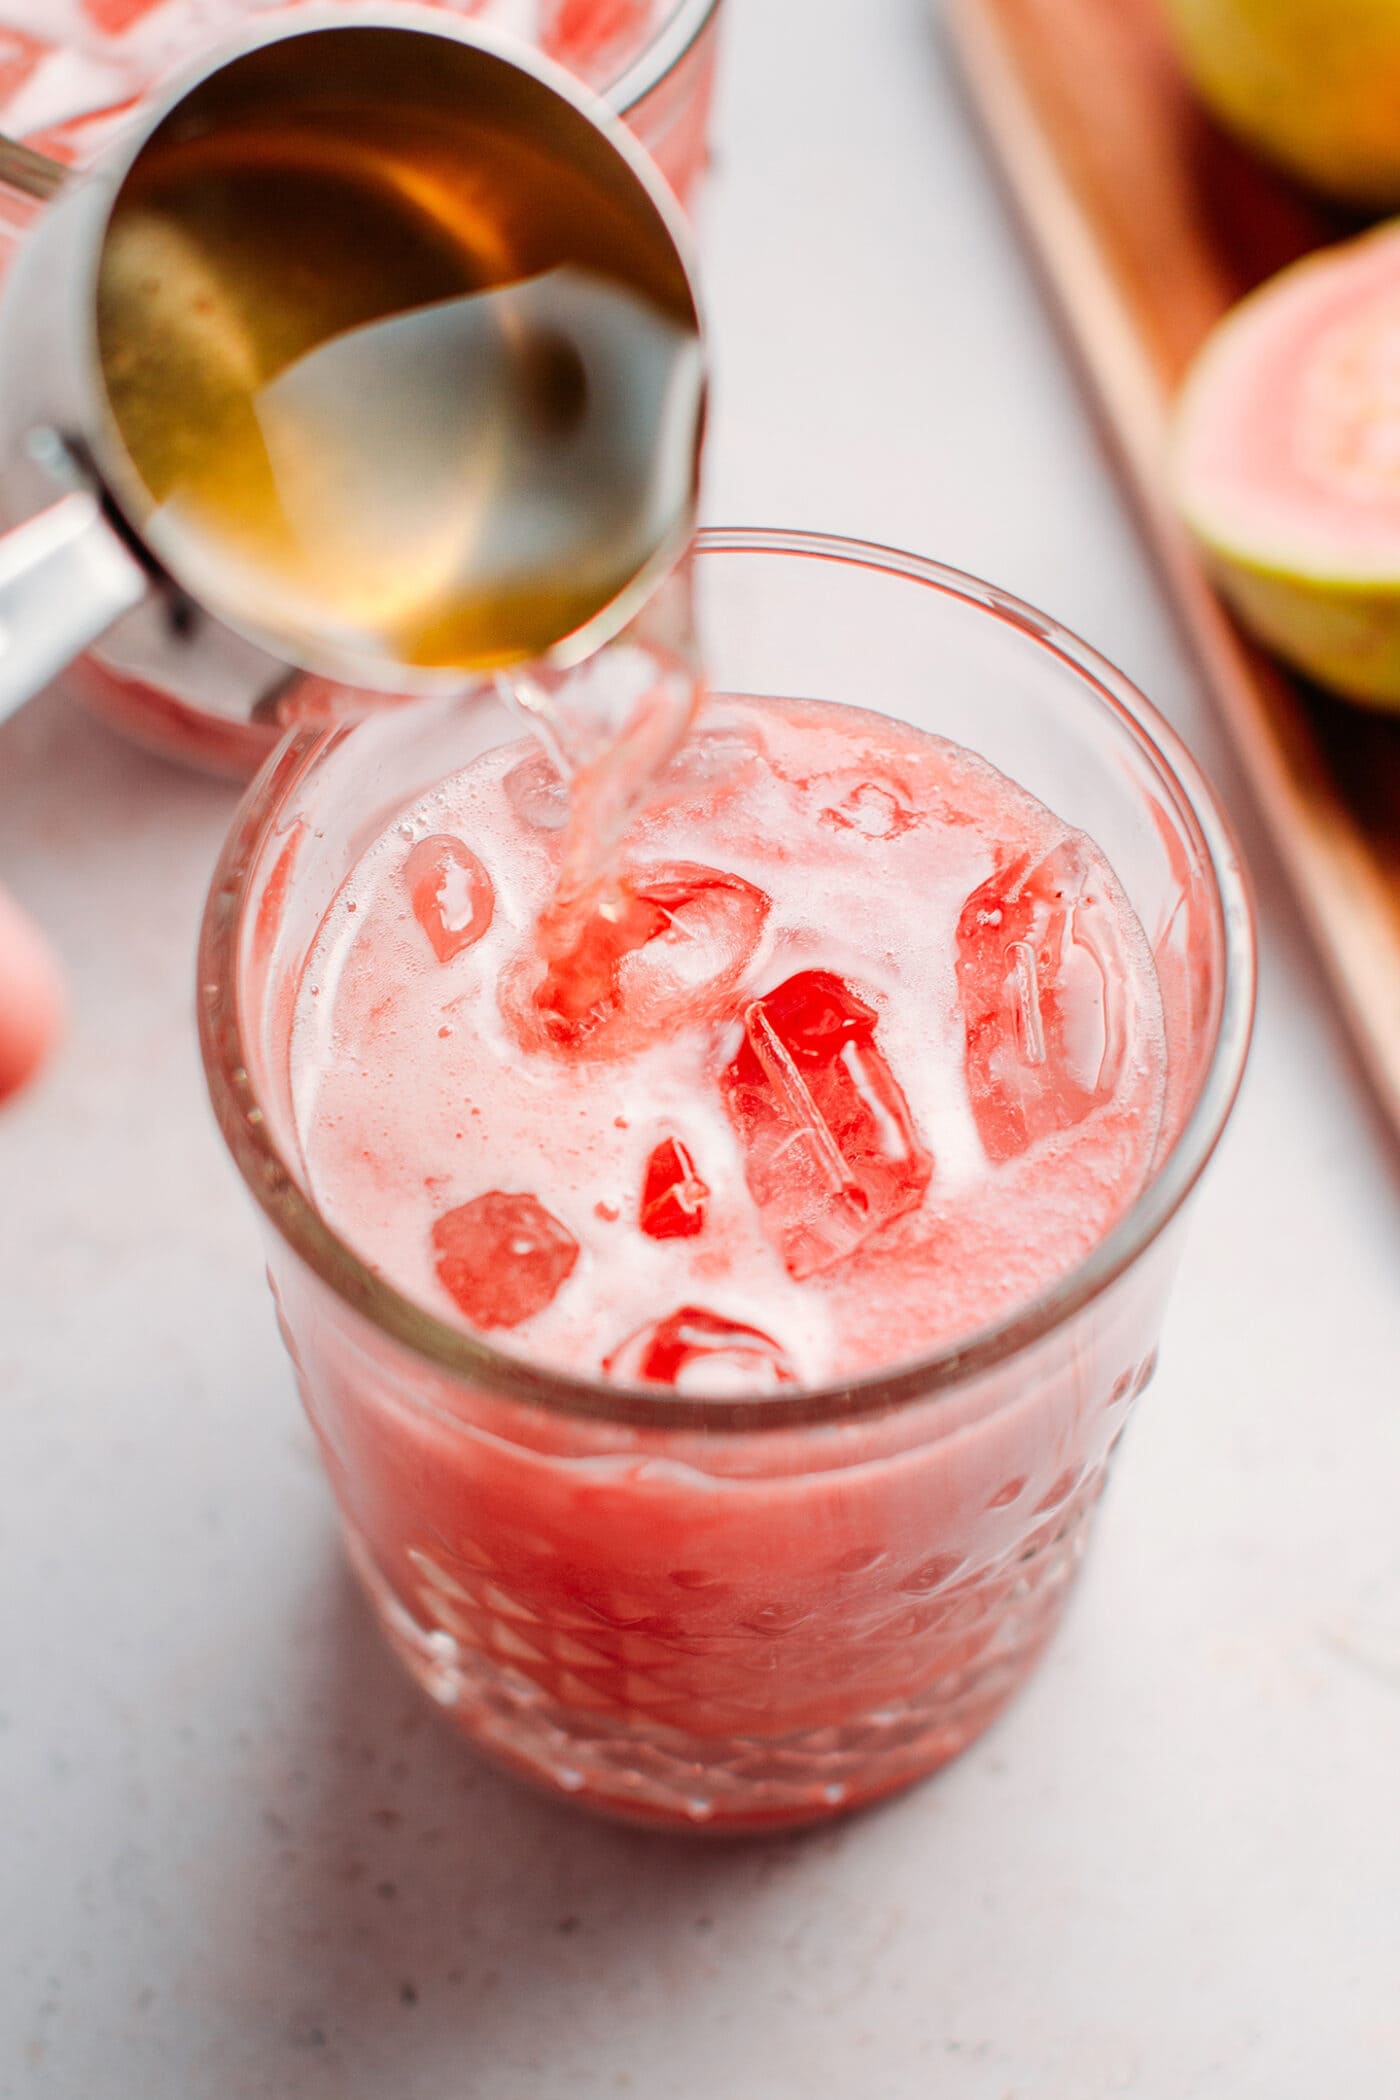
(239, 1858)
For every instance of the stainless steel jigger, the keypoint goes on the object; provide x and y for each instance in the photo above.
(74, 569)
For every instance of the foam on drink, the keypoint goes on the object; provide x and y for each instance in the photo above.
(800, 1003)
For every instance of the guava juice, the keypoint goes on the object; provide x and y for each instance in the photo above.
(862, 1052)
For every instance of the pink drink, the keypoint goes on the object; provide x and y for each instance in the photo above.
(899, 1022)
(717, 1332)
(866, 1051)
(71, 71)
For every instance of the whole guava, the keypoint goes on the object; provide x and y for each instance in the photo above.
(1314, 84)
(1286, 464)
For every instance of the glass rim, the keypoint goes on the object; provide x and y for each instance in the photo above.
(475, 1361)
(685, 23)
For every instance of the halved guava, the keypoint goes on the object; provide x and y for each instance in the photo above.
(1286, 463)
(1315, 84)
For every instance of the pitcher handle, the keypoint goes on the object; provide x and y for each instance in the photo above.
(32, 174)
(64, 578)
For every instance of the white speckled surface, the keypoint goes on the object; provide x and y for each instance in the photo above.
(239, 1857)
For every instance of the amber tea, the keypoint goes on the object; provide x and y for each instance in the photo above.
(415, 381)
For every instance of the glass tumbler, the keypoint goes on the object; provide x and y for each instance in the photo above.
(73, 71)
(723, 1613)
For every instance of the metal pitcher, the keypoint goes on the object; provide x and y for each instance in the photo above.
(77, 567)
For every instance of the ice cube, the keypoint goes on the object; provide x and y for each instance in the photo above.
(673, 1195)
(67, 100)
(585, 34)
(830, 1150)
(113, 16)
(502, 1257)
(712, 763)
(538, 793)
(19, 56)
(695, 1348)
(651, 951)
(1041, 966)
(451, 893)
(872, 808)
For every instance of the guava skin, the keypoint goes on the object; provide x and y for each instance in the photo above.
(1330, 613)
(1312, 84)
(1346, 638)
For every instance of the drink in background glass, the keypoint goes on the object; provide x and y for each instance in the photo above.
(73, 71)
(717, 1334)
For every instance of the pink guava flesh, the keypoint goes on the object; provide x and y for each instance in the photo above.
(1288, 436)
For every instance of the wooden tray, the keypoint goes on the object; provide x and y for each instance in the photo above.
(1148, 225)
